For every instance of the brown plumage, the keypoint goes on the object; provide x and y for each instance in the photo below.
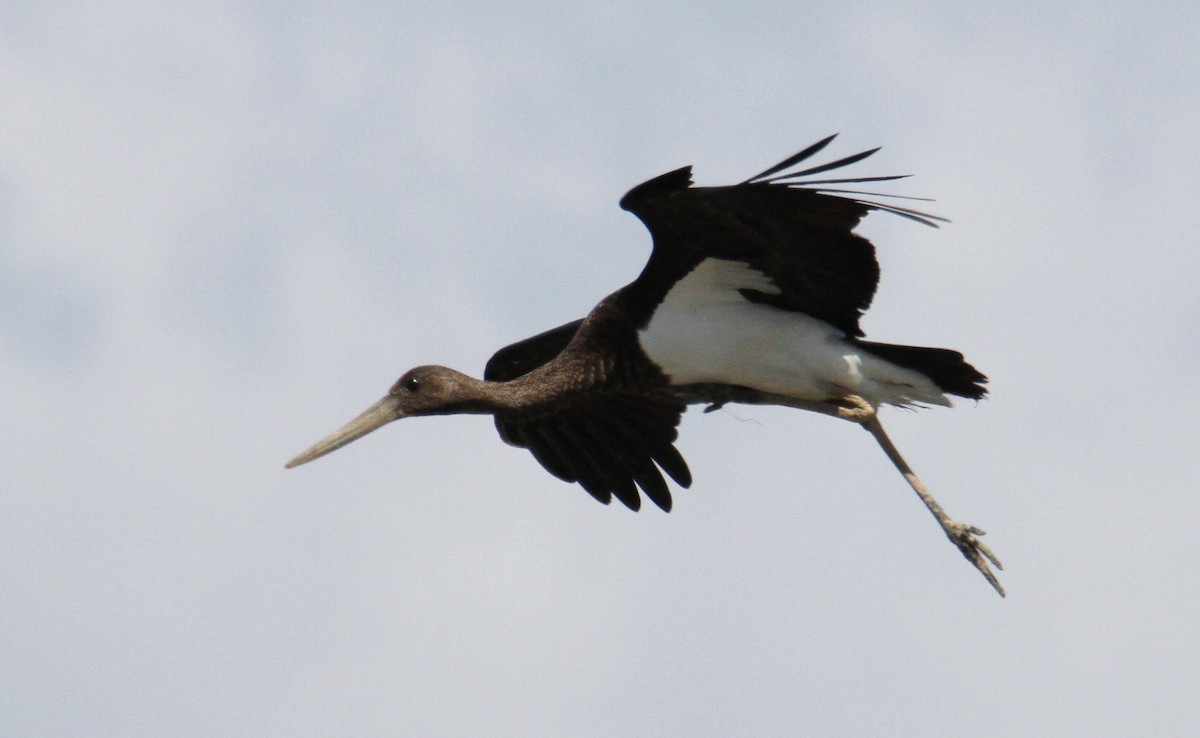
(598, 401)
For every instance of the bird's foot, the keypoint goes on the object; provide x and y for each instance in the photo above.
(965, 537)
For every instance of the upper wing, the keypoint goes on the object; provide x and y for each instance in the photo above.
(611, 443)
(798, 233)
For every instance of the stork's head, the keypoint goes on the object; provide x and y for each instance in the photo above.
(425, 390)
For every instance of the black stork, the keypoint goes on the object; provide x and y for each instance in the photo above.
(752, 294)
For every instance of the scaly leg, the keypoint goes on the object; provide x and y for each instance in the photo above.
(857, 410)
(965, 537)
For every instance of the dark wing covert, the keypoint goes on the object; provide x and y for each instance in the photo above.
(524, 356)
(796, 230)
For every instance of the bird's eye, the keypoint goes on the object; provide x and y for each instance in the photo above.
(412, 384)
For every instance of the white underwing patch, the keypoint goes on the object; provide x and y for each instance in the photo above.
(705, 330)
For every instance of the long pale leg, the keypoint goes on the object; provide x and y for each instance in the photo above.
(963, 536)
(857, 410)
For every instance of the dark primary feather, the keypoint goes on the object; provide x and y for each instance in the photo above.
(798, 179)
(606, 444)
(843, 162)
(793, 160)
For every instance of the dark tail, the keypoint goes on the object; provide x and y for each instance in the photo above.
(948, 369)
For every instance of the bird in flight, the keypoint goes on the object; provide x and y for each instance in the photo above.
(752, 294)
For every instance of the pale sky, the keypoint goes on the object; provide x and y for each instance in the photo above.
(227, 228)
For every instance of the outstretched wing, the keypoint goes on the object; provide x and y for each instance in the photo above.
(611, 443)
(796, 231)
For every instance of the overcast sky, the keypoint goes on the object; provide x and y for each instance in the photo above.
(226, 228)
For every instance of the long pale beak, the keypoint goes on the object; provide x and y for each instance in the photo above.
(375, 417)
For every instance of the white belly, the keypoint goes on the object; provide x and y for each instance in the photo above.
(705, 331)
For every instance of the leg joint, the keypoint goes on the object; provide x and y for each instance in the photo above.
(855, 409)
